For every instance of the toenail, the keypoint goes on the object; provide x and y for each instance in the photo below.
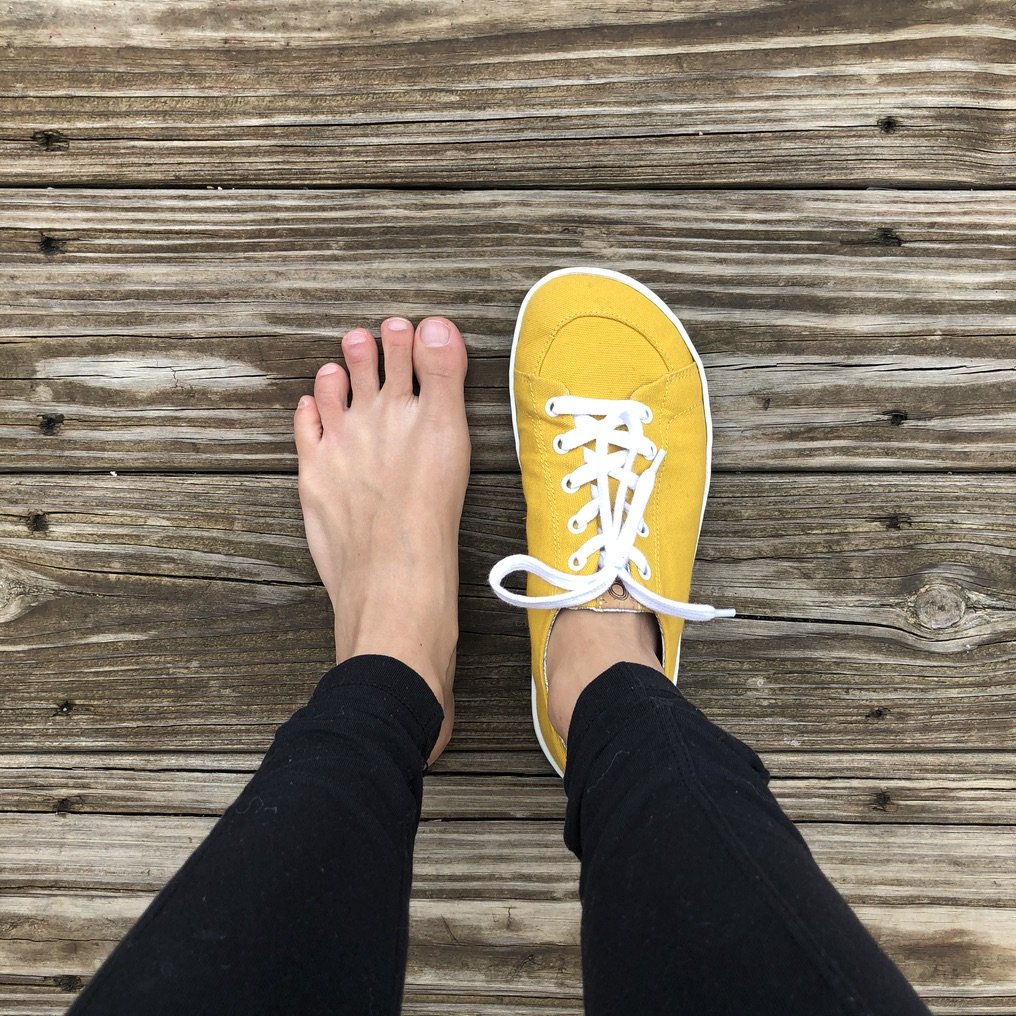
(304, 403)
(434, 333)
(398, 324)
(355, 339)
(328, 368)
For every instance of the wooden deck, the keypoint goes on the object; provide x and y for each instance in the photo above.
(825, 194)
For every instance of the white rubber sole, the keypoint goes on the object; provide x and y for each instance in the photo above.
(647, 292)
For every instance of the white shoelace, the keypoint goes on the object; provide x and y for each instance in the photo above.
(602, 425)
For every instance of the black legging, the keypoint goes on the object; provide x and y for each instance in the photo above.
(699, 895)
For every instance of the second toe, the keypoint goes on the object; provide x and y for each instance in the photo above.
(397, 342)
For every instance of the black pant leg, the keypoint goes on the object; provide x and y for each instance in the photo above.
(297, 902)
(699, 895)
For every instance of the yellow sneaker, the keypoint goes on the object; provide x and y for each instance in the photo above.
(612, 430)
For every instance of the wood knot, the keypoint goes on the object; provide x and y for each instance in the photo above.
(939, 605)
(896, 417)
(64, 708)
(69, 982)
(877, 713)
(883, 236)
(886, 237)
(887, 124)
(52, 141)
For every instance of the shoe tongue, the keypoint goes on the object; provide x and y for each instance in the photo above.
(616, 598)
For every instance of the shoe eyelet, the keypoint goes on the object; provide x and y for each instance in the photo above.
(651, 451)
(574, 563)
(643, 530)
(573, 526)
(559, 444)
(648, 416)
(647, 573)
(567, 487)
(549, 408)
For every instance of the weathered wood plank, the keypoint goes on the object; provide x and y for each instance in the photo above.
(176, 331)
(467, 946)
(740, 93)
(940, 899)
(902, 865)
(182, 612)
(523, 761)
(22, 997)
(62, 785)
(45, 1001)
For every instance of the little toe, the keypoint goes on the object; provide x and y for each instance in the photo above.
(397, 342)
(306, 425)
(359, 347)
(439, 359)
(331, 394)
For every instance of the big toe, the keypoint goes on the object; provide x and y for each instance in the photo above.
(439, 359)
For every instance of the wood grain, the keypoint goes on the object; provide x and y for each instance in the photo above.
(175, 331)
(940, 899)
(476, 945)
(162, 612)
(524, 761)
(905, 865)
(154, 629)
(74, 783)
(49, 1000)
(739, 93)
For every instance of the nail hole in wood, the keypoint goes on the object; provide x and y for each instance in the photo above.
(888, 124)
(50, 423)
(51, 245)
(37, 522)
(898, 522)
(52, 141)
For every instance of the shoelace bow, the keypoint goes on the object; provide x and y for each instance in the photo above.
(600, 425)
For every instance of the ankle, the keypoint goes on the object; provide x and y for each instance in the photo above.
(428, 662)
(584, 644)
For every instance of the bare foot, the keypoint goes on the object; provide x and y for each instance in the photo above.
(583, 644)
(382, 480)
